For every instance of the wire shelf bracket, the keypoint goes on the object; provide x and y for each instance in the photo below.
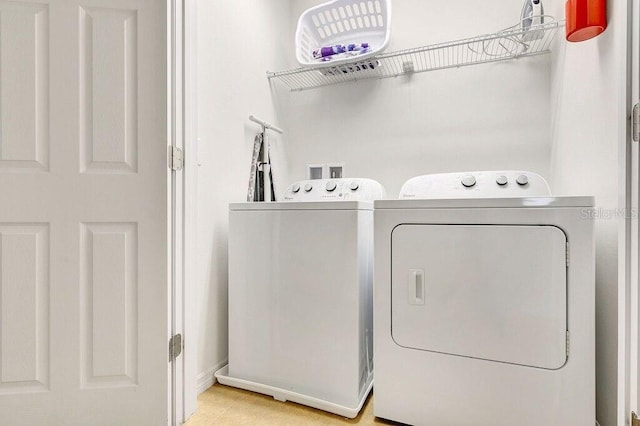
(511, 43)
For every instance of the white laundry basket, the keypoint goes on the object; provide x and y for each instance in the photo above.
(343, 22)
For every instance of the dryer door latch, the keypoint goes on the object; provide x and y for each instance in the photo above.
(416, 287)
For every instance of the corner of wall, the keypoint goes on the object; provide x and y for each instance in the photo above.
(238, 42)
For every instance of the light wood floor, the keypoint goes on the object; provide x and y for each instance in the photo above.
(222, 405)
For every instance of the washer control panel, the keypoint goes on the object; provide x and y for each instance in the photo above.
(489, 184)
(346, 189)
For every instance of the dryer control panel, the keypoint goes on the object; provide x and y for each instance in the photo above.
(350, 189)
(487, 184)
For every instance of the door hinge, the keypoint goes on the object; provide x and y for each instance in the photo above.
(635, 421)
(635, 123)
(568, 343)
(176, 158)
(566, 254)
(175, 347)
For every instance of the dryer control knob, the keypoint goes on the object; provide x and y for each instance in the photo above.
(502, 180)
(354, 186)
(331, 186)
(308, 187)
(295, 189)
(468, 181)
(522, 180)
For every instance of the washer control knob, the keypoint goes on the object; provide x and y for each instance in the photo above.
(354, 186)
(522, 180)
(331, 186)
(295, 189)
(308, 187)
(502, 180)
(468, 181)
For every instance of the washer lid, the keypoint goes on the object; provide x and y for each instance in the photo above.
(305, 205)
(491, 292)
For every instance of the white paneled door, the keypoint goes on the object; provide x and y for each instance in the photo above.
(83, 212)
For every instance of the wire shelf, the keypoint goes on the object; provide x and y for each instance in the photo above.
(511, 43)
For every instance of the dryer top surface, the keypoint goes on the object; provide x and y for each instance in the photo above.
(471, 203)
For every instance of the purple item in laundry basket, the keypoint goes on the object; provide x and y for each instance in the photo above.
(362, 48)
(329, 51)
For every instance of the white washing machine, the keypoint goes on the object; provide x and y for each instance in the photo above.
(484, 303)
(300, 295)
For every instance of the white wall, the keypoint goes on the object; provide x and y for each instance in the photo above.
(237, 42)
(494, 116)
(589, 126)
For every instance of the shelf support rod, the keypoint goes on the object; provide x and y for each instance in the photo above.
(265, 125)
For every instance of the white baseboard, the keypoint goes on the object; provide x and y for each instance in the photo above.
(206, 379)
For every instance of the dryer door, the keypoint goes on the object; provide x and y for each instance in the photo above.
(497, 293)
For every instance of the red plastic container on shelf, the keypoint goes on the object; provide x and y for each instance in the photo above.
(585, 19)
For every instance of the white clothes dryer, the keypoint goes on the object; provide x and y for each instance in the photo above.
(300, 295)
(484, 303)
